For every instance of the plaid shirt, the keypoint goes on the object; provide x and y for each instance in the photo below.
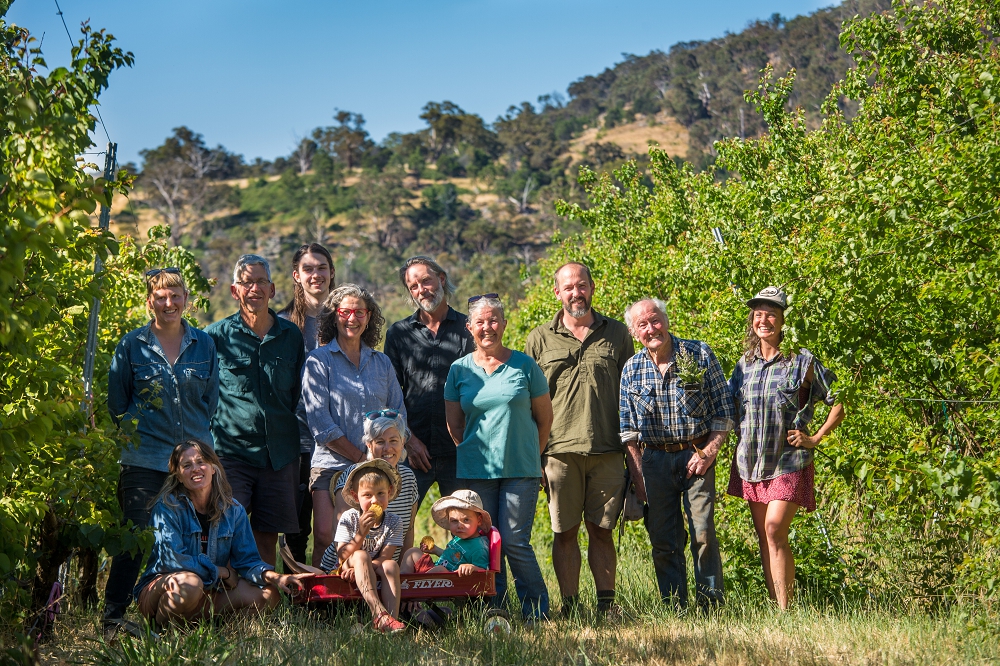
(658, 410)
(767, 397)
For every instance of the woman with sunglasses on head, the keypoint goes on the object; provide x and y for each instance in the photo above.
(313, 274)
(164, 378)
(499, 415)
(384, 434)
(342, 380)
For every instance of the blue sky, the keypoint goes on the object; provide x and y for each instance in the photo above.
(256, 76)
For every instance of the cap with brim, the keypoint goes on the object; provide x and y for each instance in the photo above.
(467, 500)
(368, 465)
(769, 296)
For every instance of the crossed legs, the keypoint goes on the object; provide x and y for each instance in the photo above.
(181, 596)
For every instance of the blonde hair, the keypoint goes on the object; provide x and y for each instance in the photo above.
(222, 493)
(373, 478)
(164, 280)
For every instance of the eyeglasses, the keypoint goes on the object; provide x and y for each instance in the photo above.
(153, 272)
(378, 413)
(482, 296)
(250, 284)
(345, 313)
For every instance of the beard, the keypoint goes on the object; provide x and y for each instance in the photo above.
(578, 307)
(431, 304)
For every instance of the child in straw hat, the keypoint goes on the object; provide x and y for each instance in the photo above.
(367, 538)
(463, 515)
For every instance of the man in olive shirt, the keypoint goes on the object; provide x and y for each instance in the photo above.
(255, 428)
(582, 354)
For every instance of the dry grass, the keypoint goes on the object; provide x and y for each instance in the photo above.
(634, 138)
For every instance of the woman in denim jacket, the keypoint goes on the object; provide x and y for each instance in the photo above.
(204, 558)
(163, 387)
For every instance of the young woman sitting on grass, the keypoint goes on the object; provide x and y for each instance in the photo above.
(204, 558)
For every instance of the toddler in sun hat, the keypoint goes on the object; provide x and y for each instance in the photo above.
(462, 514)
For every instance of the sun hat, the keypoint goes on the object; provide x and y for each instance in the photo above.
(770, 296)
(360, 469)
(467, 500)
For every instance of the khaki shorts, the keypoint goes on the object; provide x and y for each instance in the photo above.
(320, 477)
(587, 485)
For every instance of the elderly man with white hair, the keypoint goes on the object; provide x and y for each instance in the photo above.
(675, 411)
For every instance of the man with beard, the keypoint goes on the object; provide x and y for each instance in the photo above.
(582, 354)
(422, 348)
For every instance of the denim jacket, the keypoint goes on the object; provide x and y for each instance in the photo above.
(177, 544)
(172, 404)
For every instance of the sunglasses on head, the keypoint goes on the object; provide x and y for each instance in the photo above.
(482, 296)
(153, 272)
(378, 413)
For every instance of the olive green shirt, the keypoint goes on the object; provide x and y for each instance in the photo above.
(584, 380)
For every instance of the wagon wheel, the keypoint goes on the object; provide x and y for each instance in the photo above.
(497, 622)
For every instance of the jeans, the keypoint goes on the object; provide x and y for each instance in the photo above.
(511, 505)
(137, 487)
(666, 489)
(442, 470)
(297, 542)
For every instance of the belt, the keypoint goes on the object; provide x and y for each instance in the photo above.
(673, 447)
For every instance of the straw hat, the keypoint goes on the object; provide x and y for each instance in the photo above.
(467, 500)
(360, 469)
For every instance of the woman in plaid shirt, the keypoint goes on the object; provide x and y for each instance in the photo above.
(775, 394)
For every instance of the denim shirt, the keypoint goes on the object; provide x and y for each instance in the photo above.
(177, 544)
(337, 394)
(172, 404)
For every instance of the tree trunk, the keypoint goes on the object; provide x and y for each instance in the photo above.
(53, 554)
(88, 577)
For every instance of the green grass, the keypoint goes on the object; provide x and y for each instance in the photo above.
(749, 630)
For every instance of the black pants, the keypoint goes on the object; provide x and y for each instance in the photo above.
(443, 471)
(298, 542)
(137, 487)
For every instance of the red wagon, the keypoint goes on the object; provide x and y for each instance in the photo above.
(426, 587)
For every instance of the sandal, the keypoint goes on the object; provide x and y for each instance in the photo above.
(387, 624)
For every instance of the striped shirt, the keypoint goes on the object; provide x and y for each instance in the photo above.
(402, 506)
(770, 402)
(387, 533)
(659, 410)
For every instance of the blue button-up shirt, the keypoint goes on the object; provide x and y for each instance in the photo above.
(169, 403)
(337, 394)
(177, 544)
(661, 410)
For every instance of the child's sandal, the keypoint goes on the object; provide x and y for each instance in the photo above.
(387, 624)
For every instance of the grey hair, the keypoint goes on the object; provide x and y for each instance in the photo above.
(661, 307)
(375, 428)
(493, 303)
(423, 259)
(247, 260)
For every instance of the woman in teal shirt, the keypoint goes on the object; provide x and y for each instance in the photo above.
(499, 414)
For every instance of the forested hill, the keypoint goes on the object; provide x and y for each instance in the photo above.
(477, 195)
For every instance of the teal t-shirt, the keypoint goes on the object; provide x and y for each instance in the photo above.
(500, 439)
(472, 551)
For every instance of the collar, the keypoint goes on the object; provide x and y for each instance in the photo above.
(272, 332)
(334, 347)
(414, 318)
(557, 320)
(146, 333)
(675, 343)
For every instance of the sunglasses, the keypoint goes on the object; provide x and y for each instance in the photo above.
(482, 296)
(153, 272)
(378, 413)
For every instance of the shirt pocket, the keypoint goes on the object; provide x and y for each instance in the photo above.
(235, 372)
(555, 362)
(194, 379)
(283, 375)
(643, 399)
(694, 401)
(148, 381)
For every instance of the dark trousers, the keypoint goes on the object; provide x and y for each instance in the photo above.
(671, 495)
(443, 471)
(137, 487)
(298, 542)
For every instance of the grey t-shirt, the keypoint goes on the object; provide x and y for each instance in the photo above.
(311, 328)
(387, 533)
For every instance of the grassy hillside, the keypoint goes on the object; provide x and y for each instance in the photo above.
(478, 196)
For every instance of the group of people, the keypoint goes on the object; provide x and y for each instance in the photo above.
(284, 423)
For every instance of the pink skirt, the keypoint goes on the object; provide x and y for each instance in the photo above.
(792, 487)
